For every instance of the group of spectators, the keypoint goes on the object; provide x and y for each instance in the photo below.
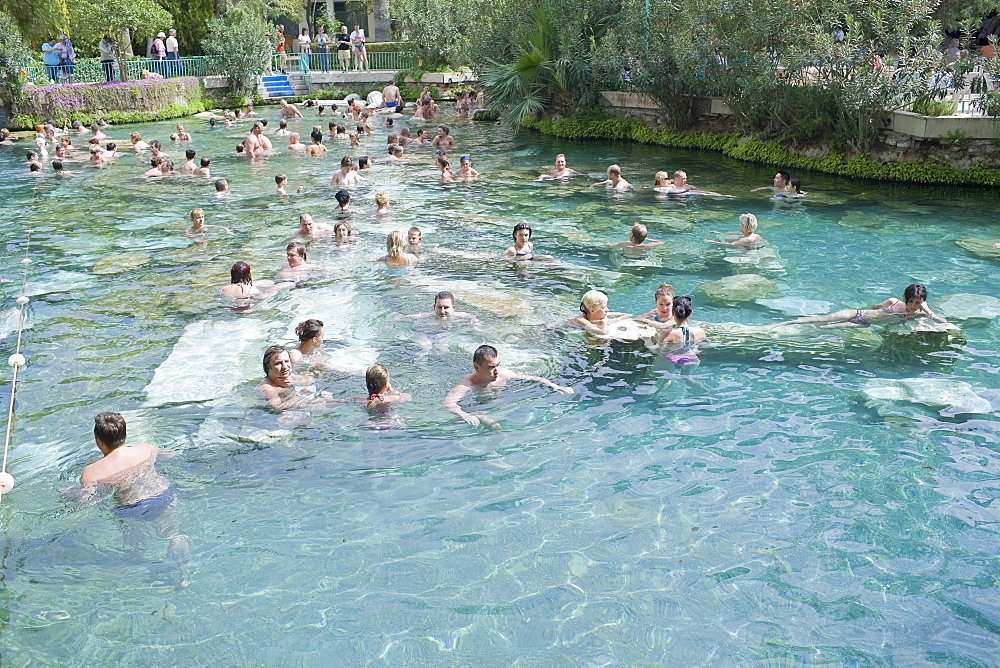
(59, 57)
(347, 45)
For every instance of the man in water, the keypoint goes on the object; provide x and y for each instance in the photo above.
(390, 97)
(638, 243)
(561, 171)
(289, 110)
(140, 491)
(444, 309)
(188, 166)
(256, 143)
(283, 389)
(680, 186)
(488, 375)
(444, 141)
(296, 268)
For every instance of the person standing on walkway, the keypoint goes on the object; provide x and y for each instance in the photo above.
(107, 50)
(358, 41)
(279, 48)
(323, 48)
(159, 52)
(344, 48)
(305, 47)
(50, 56)
(67, 58)
(173, 54)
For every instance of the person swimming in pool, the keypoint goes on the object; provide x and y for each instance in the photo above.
(638, 243)
(679, 186)
(679, 341)
(594, 314)
(523, 248)
(309, 228)
(614, 181)
(781, 186)
(748, 237)
(381, 397)
(140, 491)
(560, 171)
(913, 305)
(662, 315)
(488, 375)
(296, 268)
(282, 389)
(444, 310)
(310, 333)
(198, 226)
(396, 256)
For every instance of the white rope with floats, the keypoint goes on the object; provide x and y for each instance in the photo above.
(17, 361)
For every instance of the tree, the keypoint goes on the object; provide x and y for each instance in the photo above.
(121, 21)
(13, 56)
(241, 43)
(38, 21)
(190, 17)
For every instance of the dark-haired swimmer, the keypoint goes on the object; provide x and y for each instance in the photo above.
(523, 248)
(913, 305)
(296, 268)
(283, 389)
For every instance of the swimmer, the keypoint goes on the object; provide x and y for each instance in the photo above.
(381, 202)
(221, 186)
(343, 207)
(154, 150)
(294, 144)
(282, 182)
(309, 228)
(111, 151)
(781, 186)
(364, 162)
(396, 256)
(283, 389)
(139, 490)
(204, 169)
(381, 396)
(444, 309)
(523, 248)
(913, 305)
(316, 149)
(662, 315)
(466, 170)
(346, 175)
(96, 155)
(404, 134)
(355, 142)
(420, 139)
(444, 166)
(34, 169)
(395, 154)
(188, 166)
(748, 237)
(59, 168)
(560, 171)
(444, 141)
(680, 338)
(594, 314)
(282, 130)
(289, 110)
(154, 168)
(167, 167)
(637, 239)
(182, 134)
(296, 266)
(5, 139)
(256, 144)
(414, 241)
(198, 225)
(310, 333)
(342, 232)
(241, 291)
(614, 181)
(679, 186)
(488, 375)
(95, 131)
(137, 143)
(241, 150)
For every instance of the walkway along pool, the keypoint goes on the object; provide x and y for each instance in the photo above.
(826, 497)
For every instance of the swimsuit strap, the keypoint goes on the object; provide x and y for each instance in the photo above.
(375, 396)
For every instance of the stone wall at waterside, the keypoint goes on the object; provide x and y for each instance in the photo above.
(119, 102)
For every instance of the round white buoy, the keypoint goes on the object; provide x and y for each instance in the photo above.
(6, 482)
(22, 300)
(17, 359)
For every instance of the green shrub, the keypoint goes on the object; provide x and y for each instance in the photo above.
(384, 47)
(927, 106)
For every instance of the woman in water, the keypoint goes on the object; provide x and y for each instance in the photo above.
(748, 237)
(662, 315)
(466, 170)
(679, 340)
(241, 291)
(523, 248)
(594, 314)
(310, 333)
(913, 305)
(396, 256)
(342, 232)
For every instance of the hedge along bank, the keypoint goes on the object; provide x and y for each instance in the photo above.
(137, 101)
(731, 144)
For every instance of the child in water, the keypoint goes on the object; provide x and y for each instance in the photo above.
(381, 397)
(662, 315)
(594, 314)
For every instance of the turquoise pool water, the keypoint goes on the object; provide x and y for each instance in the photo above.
(773, 511)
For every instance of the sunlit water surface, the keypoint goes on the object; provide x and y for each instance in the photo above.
(763, 510)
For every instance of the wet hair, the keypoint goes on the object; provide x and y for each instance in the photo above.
(110, 429)
(388, 123)
(376, 379)
(169, 164)
(664, 290)
(282, 124)
(194, 211)
(592, 299)
(221, 185)
(211, 122)
(393, 138)
(413, 230)
(30, 155)
(270, 354)
(364, 162)
(34, 167)
(444, 128)
(615, 169)
(360, 129)
(519, 227)
(309, 329)
(343, 224)
(240, 148)
(173, 136)
(660, 176)
(403, 131)
(444, 294)
(682, 308)
(317, 136)
(796, 184)
(155, 143)
(442, 161)
(395, 242)
(785, 176)
(915, 291)
(342, 197)
(638, 233)
(155, 161)
(421, 132)
(483, 353)
(346, 162)
(205, 162)
(341, 130)
(381, 199)
(57, 165)
(240, 273)
(748, 221)
(280, 178)
(263, 122)
(190, 153)
(299, 249)
(397, 151)
(680, 172)
(332, 125)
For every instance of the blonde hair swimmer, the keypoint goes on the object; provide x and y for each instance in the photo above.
(396, 256)
(747, 236)
(597, 319)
